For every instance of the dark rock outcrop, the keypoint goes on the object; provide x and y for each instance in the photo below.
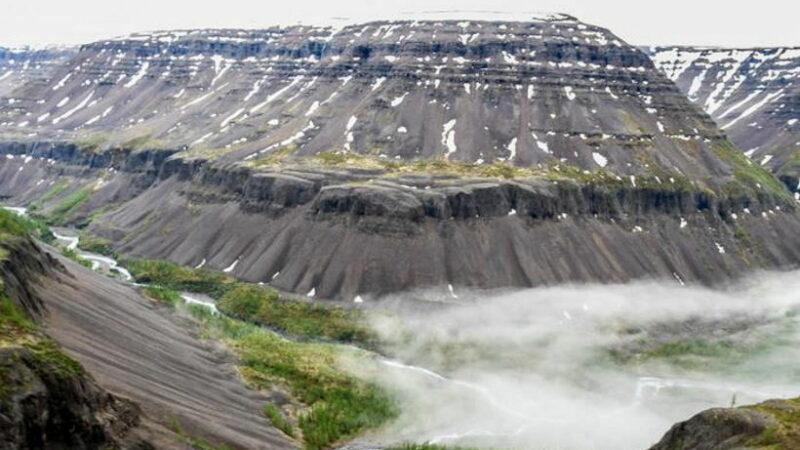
(47, 400)
(44, 406)
(774, 424)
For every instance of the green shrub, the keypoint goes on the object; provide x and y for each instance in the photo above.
(258, 304)
(340, 405)
(263, 306)
(62, 212)
(73, 255)
(94, 244)
(278, 421)
(13, 224)
(175, 277)
(163, 295)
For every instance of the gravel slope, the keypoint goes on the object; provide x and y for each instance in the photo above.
(138, 350)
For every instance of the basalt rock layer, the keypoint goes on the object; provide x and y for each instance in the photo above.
(393, 156)
(535, 93)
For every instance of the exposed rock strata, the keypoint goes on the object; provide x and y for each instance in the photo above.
(394, 156)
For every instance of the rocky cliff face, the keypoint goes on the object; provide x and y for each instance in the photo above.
(550, 90)
(391, 156)
(754, 95)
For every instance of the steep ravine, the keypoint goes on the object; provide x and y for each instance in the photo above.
(180, 387)
(47, 399)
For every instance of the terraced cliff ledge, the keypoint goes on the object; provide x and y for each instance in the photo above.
(436, 154)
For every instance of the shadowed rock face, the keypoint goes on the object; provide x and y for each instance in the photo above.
(754, 95)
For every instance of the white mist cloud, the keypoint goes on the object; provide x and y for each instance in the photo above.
(588, 367)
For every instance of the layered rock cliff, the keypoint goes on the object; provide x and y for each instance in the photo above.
(392, 156)
(529, 93)
(19, 66)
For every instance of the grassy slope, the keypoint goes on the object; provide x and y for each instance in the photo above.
(330, 405)
(258, 304)
(784, 434)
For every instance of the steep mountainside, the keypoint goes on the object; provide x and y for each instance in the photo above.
(754, 95)
(47, 399)
(530, 93)
(391, 156)
(23, 65)
(118, 348)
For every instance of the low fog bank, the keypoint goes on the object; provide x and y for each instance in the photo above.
(588, 367)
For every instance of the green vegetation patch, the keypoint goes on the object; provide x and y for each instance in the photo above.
(178, 278)
(73, 255)
(12, 224)
(748, 175)
(67, 207)
(163, 295)
(785, 433)
(54, 192)
(275, 416)
(690, 347)
(17, 330)
(689, 353)
(265, 307)
(436, 166)
(336, 405)
(90, 243)
(258, 304)
(339, 405)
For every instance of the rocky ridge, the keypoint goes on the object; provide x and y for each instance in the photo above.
(772, 424)
(528, 93)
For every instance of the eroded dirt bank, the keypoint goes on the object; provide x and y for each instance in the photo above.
(152, 357)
